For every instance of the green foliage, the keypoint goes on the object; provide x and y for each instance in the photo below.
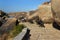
(17, 29)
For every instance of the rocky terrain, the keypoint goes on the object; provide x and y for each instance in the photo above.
(40, 16)
(42, 33)
(43, 12)
(3, 17)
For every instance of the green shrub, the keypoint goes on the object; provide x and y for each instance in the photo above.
(17, 29)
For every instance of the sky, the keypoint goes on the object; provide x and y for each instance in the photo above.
(20, 5)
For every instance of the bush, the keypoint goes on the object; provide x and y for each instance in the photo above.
(17, 29)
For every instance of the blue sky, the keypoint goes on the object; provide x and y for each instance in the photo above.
(20, 5)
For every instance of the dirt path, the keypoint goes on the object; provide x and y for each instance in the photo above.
(40, 33)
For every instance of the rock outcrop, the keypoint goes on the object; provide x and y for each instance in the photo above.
(3, 17)
(44, 12)
(56, 10)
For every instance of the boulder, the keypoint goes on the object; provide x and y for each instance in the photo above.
(45, 13)
(56, 10)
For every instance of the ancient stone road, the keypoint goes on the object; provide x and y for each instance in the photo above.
(40, 33)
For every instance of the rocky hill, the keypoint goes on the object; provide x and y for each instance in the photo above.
(18, 14)
(56, 10)
(43, 11)
(3, 17)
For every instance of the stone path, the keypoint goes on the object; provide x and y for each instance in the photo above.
(40, 33)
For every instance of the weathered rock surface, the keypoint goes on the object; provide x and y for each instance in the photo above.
(56, 10)
(45, 13)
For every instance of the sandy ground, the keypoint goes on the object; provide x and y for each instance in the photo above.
(41, 33)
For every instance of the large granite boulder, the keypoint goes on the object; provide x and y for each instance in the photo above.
(56, 10)
(45, 13)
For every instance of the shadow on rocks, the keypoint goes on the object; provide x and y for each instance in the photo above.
(30, 21)
(27, 36)
(56, 26)
(40, 23)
